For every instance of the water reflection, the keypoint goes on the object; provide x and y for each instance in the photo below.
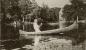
(9, 32)
(11, 38)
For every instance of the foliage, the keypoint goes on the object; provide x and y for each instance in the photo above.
(10, 8)
(30, 10)
(25, 6)
(19, 9)
(77, 8)
(49, 14)
(14, 10)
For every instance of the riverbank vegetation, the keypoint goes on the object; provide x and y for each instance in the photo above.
(27, 11)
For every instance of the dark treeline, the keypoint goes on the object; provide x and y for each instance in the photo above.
(16, 10)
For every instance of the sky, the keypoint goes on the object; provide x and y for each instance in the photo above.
(53, 3)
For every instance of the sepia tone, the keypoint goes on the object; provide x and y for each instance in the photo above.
(43, 25)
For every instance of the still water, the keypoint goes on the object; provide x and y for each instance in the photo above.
(10, 37)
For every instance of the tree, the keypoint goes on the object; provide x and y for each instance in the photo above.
(29, 9)
(10, 7)
(77, 8)
(15, 12)
(49, 14)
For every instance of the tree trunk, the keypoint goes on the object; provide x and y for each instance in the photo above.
(23, 19)
(23, 22)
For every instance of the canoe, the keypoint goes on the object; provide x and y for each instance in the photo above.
(54, 31)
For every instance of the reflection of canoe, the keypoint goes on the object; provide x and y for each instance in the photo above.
(69, 28)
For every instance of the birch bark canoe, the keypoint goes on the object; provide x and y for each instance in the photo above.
(54, 31)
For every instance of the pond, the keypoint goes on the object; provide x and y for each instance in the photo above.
(11, 39)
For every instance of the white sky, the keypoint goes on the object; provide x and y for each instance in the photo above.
(53, 3)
